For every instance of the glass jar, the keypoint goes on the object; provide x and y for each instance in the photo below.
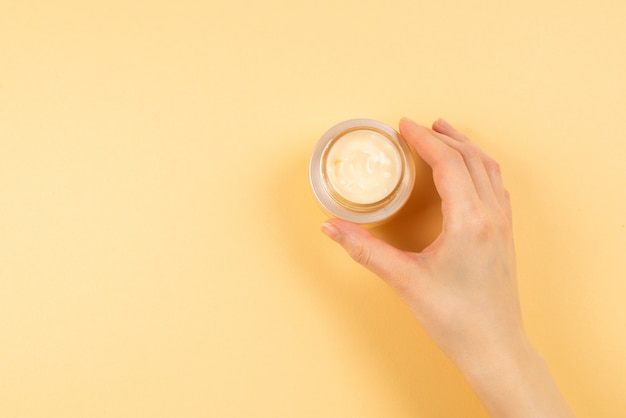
(362, 171)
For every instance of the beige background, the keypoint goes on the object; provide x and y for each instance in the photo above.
(160, 253)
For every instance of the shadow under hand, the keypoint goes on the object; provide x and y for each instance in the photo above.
(419, 222)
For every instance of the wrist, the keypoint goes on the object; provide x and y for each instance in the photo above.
(513, 380)
(488, 360)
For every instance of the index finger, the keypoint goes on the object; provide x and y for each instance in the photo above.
(450, 173)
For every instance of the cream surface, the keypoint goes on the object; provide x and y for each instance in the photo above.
(363, 166)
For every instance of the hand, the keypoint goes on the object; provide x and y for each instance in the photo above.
(463, 287)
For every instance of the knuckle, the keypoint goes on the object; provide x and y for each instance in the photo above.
(486, 225)
(481, 226)
(455, 156)
(360, 253)
(465, 149)
(468, 152)
(448, 157)
(492, 166)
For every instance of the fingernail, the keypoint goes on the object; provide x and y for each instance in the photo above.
(331, 231)
(405, 119)
(443, 124)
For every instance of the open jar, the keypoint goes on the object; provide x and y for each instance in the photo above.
(362, 170)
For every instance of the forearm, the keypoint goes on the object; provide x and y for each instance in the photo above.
(515, 383)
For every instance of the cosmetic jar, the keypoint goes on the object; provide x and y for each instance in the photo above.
(362, 170)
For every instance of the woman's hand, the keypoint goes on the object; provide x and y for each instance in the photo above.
(463, 287)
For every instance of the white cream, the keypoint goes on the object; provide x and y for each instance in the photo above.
(363, 166)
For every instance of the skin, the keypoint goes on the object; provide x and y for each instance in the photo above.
(463, 287)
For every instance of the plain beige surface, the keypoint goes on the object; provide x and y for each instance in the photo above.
(160, 253)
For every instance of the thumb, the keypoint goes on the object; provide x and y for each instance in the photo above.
(384, 260)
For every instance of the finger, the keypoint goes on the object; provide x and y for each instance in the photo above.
(450, 172)
(472, 156)
(384, 260)
(489, 165)
(445, 128)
